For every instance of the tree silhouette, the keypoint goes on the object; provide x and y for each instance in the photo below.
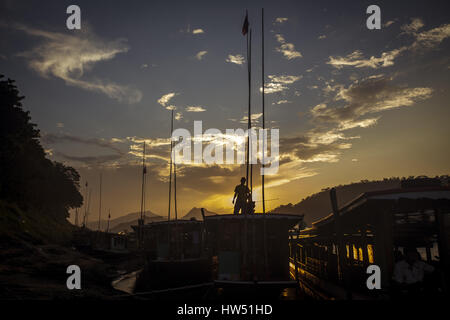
(27, 177)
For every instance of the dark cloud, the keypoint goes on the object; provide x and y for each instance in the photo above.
(50, 138)
(371, 95)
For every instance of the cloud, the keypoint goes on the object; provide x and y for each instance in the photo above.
(236, 59)
(198, 31)
(282, 102)
(89, 160)
(164, 100)
(352, 107)
(287, 49)
(431, 38)
(389, 23)
(178, 116)
(279, 83)
(423, 40)
(281, 20)
(199, 55)
(195, 109)
(371, 95)
(95, 160)
(357, 60)
(255, 117)
(314, 146)
(68, 56)
(415, 25)
(50, 138)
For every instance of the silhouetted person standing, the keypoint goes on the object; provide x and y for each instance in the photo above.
(241, 193)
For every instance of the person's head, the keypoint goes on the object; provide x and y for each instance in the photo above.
(243, 180)
(411, 254)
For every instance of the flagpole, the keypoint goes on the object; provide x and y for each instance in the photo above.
(263, 148)
(248, 112)
(177, 239)
(170, 174)
(263, 109)
(141, 220)
(170, 185)
(250, 116)
(100, 205)
(85, 205)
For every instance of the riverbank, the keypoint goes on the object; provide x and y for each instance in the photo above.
(35, 252)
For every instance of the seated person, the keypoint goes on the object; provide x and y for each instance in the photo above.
(409, 272)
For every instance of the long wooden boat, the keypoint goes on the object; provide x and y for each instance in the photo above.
(373, 229)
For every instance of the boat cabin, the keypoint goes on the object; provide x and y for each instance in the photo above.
(175, 239)
(252, 247)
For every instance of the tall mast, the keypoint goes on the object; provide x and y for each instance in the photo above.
(170, 184)
(175, 187)
(100, 204)
(263, 109)
(109, 218)
(88, 206)
(177, 240)
(249, 39)
(85, 205)
(250, 116)
(171, 160)
(144, 171)
(266, 270)
(142, 215)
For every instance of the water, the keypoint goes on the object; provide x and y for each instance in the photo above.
(126, 282)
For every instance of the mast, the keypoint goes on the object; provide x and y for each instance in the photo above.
(171, 160)
(177, 239)
(170, 183)
(142, 215)
(109, 218)
(263, 109)
(100, 204)
(88, 205)
(144, 171)
(85, 205)
(249, 52)
(263, 148)
(250, 117)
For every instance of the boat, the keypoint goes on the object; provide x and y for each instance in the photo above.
(251, 253)
(173, 250)
(331, 258)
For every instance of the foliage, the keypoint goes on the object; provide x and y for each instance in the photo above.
(27, 177)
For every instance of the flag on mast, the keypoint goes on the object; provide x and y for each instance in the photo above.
(245, 26)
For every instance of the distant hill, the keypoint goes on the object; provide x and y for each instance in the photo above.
(124, 223)
(318, 205)
(197, 214)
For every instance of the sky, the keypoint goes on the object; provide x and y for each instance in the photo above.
(350, 103)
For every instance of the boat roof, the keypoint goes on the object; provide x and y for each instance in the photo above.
(432, 193)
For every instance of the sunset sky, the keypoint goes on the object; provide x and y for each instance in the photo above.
(350, 103)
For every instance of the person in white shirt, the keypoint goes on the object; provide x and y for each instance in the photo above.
(409, 273)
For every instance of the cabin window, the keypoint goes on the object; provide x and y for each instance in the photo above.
(360, 253)
(355, 253)
(370, 253)
(348, 251)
